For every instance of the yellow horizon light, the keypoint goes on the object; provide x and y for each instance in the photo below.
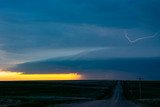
(20, 76)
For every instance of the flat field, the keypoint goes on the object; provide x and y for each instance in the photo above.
(44, 93)
(145, 92)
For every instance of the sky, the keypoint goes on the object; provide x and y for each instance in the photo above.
(104, 39)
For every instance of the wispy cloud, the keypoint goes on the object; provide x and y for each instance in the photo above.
(140, 38)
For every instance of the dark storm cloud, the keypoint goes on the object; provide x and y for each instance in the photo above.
(38, 23)
(27, 23)
(110, 13)
(103, 66)
(32, 30)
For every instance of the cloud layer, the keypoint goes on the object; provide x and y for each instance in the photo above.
(38, 30)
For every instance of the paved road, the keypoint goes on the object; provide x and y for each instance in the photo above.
(117, 100)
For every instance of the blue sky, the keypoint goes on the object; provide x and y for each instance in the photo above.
(33, 31)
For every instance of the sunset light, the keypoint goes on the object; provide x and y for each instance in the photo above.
(20, 76)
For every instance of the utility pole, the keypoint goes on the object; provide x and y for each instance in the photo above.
(140, 87)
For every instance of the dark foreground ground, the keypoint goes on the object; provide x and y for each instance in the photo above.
(116, 100)
(50, 93)
(45, 93)
(147, 93)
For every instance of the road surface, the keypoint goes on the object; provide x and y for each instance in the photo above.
(117, 100)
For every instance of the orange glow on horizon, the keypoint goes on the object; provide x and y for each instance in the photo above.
(20, 76)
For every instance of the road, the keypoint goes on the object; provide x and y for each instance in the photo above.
(117, 100)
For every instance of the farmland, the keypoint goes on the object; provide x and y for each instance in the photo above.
(149, 95)
(46, 93)
(40, 93)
